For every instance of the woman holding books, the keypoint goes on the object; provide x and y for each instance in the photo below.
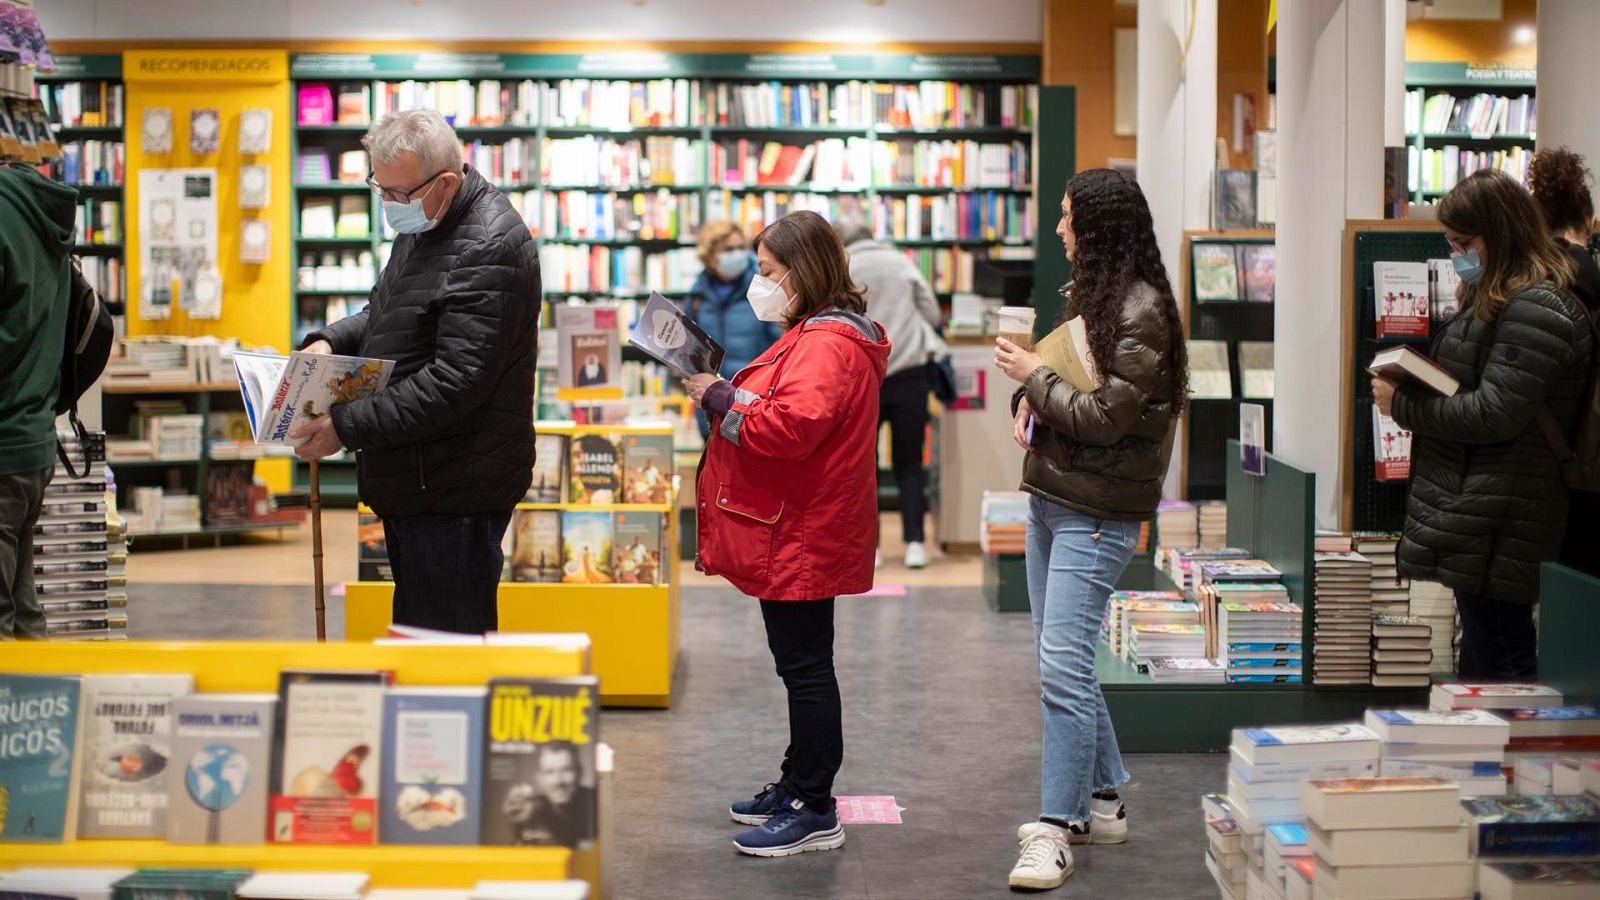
(788, 504)
(1487, 502)
(1098, 443)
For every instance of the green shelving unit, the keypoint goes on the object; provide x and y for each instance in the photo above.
(1463, 80)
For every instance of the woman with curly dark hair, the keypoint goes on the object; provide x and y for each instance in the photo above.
(1559, 182)
(1094, 467)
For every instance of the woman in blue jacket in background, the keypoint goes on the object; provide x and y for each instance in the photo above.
(717, 300)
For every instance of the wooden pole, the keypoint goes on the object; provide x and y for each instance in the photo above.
(316, 549)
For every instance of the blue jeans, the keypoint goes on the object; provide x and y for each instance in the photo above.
(1073, 562)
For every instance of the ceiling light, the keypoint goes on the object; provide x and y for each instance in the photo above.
(1523, 34)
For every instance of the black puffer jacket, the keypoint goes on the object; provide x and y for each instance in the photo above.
(1487, 504)
(1101, 453)
(457, 309)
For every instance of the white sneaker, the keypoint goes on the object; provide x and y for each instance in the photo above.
(916, 555)
(1108, 824)
(1046, 860)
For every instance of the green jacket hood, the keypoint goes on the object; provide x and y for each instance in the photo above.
(47, 208)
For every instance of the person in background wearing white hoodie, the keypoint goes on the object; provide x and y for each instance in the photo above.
(899, 299)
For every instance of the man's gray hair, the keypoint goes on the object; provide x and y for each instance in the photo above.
(420, 131)
(852, 227)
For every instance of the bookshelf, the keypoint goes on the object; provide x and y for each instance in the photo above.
(1211, 422)
(616, 159)
(1370, 504)
(190, 474)
(1444, 100)
(84, 101)
(635, 627)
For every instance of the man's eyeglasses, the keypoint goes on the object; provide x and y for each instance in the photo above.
(393, 194)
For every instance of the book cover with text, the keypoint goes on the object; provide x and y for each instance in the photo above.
(539, 764)
(126, 754)
(325, 772)
(38, 737)
(1391, 448)
(432, 771)
(647, 468)
(636, 556)
(595, 465)
(549, 469)
(586, 541)
(1216, 272)
(221, 768)
(1401, 298)
(536, 546)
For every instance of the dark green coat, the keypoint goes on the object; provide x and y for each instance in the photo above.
(36, 217)
(1100, 453)
(1487, 504)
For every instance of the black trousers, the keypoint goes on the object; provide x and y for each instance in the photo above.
(1498, 640)
(447, 570)
(21, 501)
(800, 635)
(903, 403)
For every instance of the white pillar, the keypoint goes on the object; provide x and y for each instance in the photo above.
(1330, 159)
(1394, 73)
(1568, 114)
(1177, 122)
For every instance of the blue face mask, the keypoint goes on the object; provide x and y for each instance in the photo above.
(409, 218)
(732, 263)
(1468, 266)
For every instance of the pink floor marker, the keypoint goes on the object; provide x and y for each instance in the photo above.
(885, 590)
(869, 811)
(338, 590)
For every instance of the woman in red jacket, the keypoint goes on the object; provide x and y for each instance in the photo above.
(789, 504)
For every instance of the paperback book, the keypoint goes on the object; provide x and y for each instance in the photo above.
(125, 754)
(1493, 696)
(1400, 295)
(1517, 826)
(1216, 272)
(595, 464)
(636, 543)
(586, 540)
(221, 758)
(539, 764)
(1258, 272)
(590, 352)
(281, 392)
(1391, 448)
(549, 469)
(536, 546)
(432, 771)
(325, 772)
(647, 468)
(671, 337)
(38, 735)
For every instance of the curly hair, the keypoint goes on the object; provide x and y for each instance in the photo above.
(1116, 249)
(1559, 182)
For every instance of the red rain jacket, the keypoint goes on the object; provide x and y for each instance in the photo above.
(788, 486)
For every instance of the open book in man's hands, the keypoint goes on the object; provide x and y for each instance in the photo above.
(667, 334)
(280, 392)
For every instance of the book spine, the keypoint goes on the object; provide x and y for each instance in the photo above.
(1559, 839)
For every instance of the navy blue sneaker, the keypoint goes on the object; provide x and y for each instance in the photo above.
(793, 829)
(759, 808)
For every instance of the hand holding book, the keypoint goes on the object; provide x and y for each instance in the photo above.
(668, 335)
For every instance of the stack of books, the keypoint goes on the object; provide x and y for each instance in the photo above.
(1343, 618)
(1521, 881)
(1388, 837)
(1225, 857)
(80, 552)
(1284, 846)
(1165, 641)
(1435, 604)
(1455, 695)
(1177, 525)
(1134, 608)
(1402, 653)
(1213, 524)
(1005, 522)
(1561, 731)
(1466, 746)
(1182, 564)
(1267, 767)
(1247, 626)
(1505, 831)
(1391, 594)
(1188, 670)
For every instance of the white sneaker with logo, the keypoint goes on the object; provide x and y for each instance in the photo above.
(1108, 824)
(1046, 859)
(916, 555)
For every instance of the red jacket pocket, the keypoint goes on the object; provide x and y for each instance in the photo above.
(746, 533)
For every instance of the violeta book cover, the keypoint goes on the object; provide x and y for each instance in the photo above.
(280, 392)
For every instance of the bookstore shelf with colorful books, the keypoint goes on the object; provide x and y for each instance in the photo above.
(181, 453)
(1462, 117)
(232, 676)
(84, 99)
(1398, 287)
(1227, 285)
(593, 549)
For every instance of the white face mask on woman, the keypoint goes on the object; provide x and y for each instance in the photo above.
(767, 297)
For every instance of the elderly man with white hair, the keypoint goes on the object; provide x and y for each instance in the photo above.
(899, 298)
(445, 452)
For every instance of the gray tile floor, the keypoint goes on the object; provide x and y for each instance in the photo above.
(941, 710)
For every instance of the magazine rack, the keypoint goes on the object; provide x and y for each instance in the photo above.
(634, 627)
(220, 667)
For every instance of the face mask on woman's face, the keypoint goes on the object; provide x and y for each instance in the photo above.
(732, 263)
(767, 298)
(1468, 266)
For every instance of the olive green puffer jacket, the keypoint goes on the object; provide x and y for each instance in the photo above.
(1487, 504)
(1104, 453)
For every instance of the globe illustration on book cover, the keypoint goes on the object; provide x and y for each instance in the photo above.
(216, 776)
